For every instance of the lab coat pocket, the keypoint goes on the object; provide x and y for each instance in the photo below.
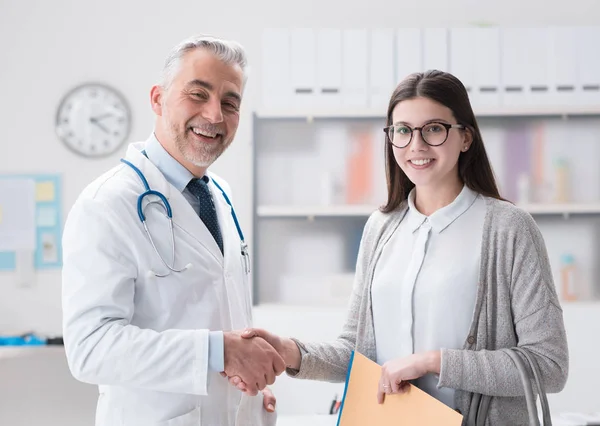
(251, 412)
(189, 419)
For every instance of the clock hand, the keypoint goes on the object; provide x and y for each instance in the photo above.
(93, 120)
(101, 117)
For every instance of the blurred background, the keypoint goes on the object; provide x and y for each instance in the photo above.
(306, 167)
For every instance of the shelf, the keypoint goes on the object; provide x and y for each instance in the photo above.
(366, 210)
(8, 352)
(316, 211)
(344, 113)
(562, 209)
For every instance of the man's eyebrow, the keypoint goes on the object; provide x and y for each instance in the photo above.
(234, 95)
(208, 86)
(200, 83)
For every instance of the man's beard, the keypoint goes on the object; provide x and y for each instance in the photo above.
(199, 154)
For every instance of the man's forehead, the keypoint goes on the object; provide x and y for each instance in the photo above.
(204, 66)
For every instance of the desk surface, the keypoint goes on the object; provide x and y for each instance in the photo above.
(7, 352)
(312, 420)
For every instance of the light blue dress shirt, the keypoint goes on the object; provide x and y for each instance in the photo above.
(178, 176)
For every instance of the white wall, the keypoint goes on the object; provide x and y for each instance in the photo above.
(47, 47)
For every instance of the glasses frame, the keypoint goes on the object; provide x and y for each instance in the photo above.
(447, 126)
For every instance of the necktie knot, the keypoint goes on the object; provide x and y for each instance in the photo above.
(199, 188)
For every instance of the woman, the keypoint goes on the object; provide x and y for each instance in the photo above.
(448, 273)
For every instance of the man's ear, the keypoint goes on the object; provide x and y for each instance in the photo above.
(156, 97)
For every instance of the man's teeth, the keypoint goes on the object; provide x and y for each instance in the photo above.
(421, 162)
(204, 132)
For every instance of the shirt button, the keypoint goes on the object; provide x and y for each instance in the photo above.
(471, 340)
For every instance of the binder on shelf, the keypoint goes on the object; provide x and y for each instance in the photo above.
(435, 49)
(359, 173)
(588, 65)
(514, 59)
(329, 68)
(276, 69)
(409, 52)
(486, 55)
(563, 69)
(355, 57)
(381, 66)
(463, 59)
(304, 67)
(537, 43)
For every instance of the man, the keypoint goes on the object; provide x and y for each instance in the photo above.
(155, 335)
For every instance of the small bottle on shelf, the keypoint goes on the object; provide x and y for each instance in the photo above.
(567, 277)
(524, 190)
(562, 181)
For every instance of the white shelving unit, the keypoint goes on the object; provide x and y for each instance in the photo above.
(498, 112)
(366, 210)
(280, 221)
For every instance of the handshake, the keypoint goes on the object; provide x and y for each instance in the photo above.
(255, 357)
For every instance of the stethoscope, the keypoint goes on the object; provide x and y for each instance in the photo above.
(164, 203)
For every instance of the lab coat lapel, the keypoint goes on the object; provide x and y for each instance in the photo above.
(185, 218)
(225, 220)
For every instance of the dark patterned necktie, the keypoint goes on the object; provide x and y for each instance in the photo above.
(207, 211)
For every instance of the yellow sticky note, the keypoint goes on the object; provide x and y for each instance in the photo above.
(44, 191)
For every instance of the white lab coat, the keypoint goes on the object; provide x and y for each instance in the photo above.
(144, 339)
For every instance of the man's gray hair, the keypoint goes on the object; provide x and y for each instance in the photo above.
(230, 52)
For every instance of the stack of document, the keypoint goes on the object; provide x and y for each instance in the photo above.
(414, 407)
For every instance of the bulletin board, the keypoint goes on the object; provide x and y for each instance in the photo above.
(34, 203)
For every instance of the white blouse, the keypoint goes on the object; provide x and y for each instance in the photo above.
(425, 283)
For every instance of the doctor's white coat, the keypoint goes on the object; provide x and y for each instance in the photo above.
(144, 339)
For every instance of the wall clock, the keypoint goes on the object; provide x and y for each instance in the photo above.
(93, 120)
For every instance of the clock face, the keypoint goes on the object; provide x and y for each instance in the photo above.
(93, 120)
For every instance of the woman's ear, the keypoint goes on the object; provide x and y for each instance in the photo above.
(467, 139)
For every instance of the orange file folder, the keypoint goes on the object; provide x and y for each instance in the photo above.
(413, 408)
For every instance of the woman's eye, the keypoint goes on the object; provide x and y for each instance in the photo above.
(403, 130)
(434, 128)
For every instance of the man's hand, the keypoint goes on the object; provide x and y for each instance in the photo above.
(254, 361)
(269, 400)
(284, 346)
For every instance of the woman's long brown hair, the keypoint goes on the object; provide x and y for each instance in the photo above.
(474, 167)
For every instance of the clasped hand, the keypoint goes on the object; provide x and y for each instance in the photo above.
(254, 361)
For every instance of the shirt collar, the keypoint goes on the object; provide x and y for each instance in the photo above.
(175, 173)
(443, 217)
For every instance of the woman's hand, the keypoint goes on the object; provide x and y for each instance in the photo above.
(396, 373)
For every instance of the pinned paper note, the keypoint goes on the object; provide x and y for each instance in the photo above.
(7, 260)
(49, 248)
(17, 229)
(46, 217)
(44, 191)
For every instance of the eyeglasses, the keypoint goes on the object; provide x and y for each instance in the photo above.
(433, 134)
